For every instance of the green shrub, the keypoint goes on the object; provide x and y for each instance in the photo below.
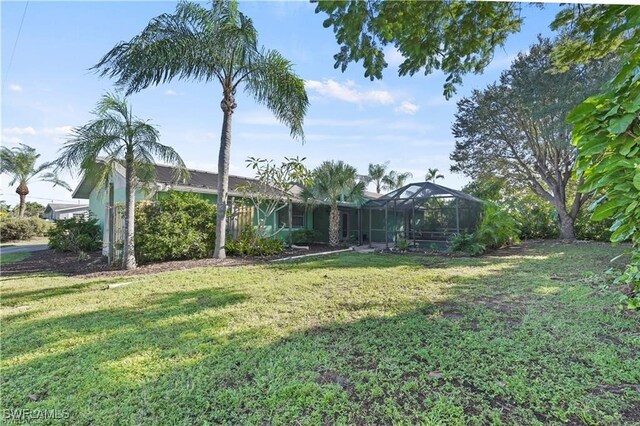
(76, 235)
(587, 229)
(250, 244)
(17, 228)
(402, 245)
(538, 220)
(305, 236)
(178, 226)
(466, 243)
(497, 228)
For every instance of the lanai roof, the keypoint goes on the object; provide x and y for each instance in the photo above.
(415, 194)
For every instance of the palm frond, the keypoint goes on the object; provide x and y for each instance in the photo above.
(273, 83)
(185, 45)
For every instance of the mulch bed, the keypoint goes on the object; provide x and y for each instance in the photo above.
(49, 261)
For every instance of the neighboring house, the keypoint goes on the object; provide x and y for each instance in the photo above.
(57, 211)
(371, 222)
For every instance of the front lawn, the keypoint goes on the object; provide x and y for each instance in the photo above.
(528, 337)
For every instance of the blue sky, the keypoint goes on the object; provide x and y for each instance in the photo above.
(404, 120)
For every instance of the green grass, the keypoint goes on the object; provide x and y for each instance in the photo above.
(530, 338)
(7, 258)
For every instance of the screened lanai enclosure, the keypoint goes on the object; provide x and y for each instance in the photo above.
(424, 214)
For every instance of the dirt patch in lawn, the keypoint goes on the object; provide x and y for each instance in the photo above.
(49, 261)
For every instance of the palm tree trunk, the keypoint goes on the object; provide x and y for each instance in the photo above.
(334, 226)
(129, 254)
(22, 191)
(227, 105)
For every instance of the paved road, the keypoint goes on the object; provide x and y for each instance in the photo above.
(20, 249)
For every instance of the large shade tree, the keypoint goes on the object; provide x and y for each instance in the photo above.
(211, 44)
(453, 36)
(116, 138)
(333, 182)
(20, 163)
(516, 129)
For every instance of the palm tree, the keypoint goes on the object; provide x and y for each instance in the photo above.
(395, 180)
(20, 164)
(117, 138)
(334, 181)
(217, 44)
(377, 173)
(433, 175)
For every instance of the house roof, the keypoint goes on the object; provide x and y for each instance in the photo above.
(56, 207)
(197, 180)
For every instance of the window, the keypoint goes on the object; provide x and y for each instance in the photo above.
(297, 220)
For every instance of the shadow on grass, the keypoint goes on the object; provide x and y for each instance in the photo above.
(10, 298)
(173, 359)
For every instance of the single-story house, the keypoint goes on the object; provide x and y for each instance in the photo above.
(57, 211)
(381, 218)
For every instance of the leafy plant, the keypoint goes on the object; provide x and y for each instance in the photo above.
(466, 243)
(180, 225)
(607, 126)
(75, 235)
(305, 236)
(497, 228)
(402, 245)
(18, 228)
(250, 243)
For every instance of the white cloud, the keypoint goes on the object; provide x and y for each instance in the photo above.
(54, 133)
(15, 88)
(57, 132)
(407, 107)
(170, 92)
(11, 140)
(349, 92)
(19, 131)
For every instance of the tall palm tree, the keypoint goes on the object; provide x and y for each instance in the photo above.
(116, 137)
(433, 175)
(218, 44)
(377, 173)
(335, 181)
(20, 164)
(395, 180)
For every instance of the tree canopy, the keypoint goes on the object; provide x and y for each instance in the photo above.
(516, 129)
(452, 36)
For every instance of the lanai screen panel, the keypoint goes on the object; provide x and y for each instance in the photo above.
(426, 212)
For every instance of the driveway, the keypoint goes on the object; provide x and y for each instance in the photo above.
(21, 249)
